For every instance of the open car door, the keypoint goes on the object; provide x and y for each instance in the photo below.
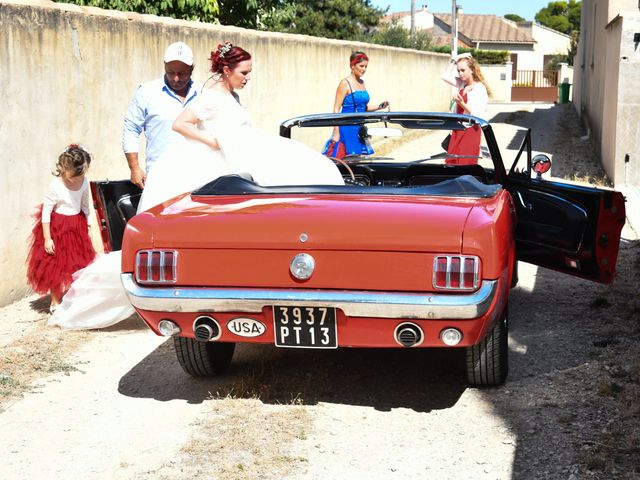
(566, 227)
(115, 203)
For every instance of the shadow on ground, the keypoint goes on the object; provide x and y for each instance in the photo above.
(561, 400)
(572, 341)
(422, 380)
(41, 304)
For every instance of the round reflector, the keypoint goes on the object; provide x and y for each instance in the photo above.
(451, 336)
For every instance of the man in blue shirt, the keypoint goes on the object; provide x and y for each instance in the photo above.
(154, 107)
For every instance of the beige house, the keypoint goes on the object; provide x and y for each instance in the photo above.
(423, 19)
(548, 43)
(531, 45)
(606, 90)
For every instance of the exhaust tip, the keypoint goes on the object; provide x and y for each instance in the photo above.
(408, 334)
(206, 328)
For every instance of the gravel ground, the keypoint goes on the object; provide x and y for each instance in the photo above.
(115, 404)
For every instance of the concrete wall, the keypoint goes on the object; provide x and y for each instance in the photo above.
(607, 85)
(68, 73)
(499, 79)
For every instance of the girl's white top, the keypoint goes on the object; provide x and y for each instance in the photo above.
(61, 200)
(477, 96)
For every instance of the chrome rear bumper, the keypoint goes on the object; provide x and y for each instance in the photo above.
(353, 303)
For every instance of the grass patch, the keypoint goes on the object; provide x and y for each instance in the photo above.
(247, 439)
(39, 352)
(597, 180)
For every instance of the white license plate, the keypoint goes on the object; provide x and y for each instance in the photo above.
(305, 327)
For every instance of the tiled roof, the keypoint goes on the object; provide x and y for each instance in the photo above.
(487, 28)
(395, 16)
(399, 15)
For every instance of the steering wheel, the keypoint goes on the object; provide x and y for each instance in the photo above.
(346, 165)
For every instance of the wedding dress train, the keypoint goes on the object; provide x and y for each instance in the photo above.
(96, 298)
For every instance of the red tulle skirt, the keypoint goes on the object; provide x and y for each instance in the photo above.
(73, 251)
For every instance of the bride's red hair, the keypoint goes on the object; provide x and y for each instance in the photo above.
(227, 55)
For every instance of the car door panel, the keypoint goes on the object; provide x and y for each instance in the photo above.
(567, 227)
(571, 228)
(115, 202)
(563, 225)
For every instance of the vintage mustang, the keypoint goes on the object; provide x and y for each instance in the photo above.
(418, 249)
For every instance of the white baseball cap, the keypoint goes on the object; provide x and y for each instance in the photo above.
(180, 52)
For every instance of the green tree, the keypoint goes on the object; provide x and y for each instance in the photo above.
(203, 10)
(561, 16)
(254, 13)
(514, 18)
(341, 19)
(396, 35)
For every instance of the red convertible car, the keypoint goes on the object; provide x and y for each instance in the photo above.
(418, 249)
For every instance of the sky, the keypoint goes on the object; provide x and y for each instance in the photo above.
(527, 9)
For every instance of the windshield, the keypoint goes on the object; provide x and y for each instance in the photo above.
(393, 142)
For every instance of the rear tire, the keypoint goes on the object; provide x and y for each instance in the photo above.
(488, 361)
(203, 359)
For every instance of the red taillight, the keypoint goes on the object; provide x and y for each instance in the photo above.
(440, 271)
(456, 272)
(142, 261)
(169, 267)
(470, 273)
(156, 266)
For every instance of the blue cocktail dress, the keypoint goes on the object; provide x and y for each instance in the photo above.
(355, 101)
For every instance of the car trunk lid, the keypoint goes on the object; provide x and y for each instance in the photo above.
(316, 222)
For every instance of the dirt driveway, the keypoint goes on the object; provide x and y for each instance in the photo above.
(114, 404)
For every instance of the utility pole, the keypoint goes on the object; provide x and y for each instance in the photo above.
(413, 23)
(454, 29)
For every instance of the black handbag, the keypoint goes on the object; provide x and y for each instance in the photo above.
(363, 134)
(445, 143)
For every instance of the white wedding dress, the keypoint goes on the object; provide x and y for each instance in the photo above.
(96, 298)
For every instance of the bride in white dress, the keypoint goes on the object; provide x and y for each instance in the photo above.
(219, 140)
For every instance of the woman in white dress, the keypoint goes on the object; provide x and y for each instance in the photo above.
(219, 140)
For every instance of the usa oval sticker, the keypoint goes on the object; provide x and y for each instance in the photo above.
(246, 327)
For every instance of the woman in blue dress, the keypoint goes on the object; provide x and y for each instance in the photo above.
(352, 96)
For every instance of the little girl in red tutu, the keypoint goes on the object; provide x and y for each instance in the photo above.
(60, 241)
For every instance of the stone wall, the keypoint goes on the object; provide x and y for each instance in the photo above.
(607, 85)
(67, 74)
